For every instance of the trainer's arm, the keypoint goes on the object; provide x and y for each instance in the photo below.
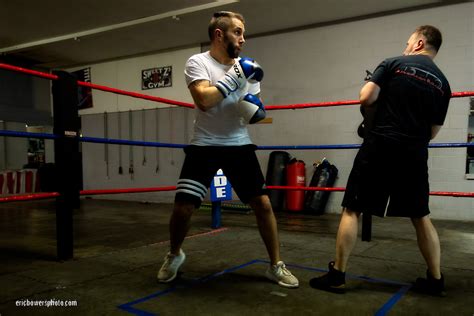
(434, 130)
(369, 94)
(205, 95)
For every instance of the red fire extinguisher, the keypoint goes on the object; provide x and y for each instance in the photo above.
(295, 176)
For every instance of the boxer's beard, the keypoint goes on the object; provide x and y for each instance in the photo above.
(232, 50)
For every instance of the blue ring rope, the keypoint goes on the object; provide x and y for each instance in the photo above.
(170, 145)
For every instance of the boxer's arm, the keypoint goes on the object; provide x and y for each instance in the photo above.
(369, 94)
(205, 95)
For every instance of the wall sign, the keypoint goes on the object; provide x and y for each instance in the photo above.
(157, 78)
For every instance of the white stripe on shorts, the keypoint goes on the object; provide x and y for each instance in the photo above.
(190, 192)
(191, 187)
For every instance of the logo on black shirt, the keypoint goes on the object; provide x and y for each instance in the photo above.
(422, 75)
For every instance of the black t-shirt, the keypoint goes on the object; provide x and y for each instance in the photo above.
(414, 95)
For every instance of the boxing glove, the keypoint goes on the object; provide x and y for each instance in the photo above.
(251, 109)
(245, 69)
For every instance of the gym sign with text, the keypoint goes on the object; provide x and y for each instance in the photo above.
(157, 78)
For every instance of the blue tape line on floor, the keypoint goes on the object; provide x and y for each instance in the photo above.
(127, 306)
(392, 301)
(135, 311)
(381, 312)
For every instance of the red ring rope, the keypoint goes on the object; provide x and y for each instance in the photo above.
(29, 197)
(131, 190)
(189, 105)
(97, 87)
(40, 196)
(135, 94)
(281, 187)
(48, 195)
(455, 194)
(310, 105)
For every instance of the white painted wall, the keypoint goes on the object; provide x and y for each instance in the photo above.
(328, 63)
(174, 126)
(319, 64)
(126, 75)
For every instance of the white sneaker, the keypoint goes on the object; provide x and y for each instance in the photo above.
(281, 275)
(169, 269)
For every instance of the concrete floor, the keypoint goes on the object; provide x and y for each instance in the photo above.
(119, 247)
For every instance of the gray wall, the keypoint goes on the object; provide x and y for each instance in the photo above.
(24, 99)
(126, 74)
(319, 64)
(329, 63)
(165, 125)
(13, 150)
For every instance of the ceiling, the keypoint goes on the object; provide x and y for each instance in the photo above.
(59, 33)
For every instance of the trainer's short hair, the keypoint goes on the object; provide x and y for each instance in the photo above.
(222, 20)
(432, 35)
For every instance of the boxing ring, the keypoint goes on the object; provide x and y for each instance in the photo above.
(67, 138)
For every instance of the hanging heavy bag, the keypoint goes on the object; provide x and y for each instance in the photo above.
(324, 176)
(295, 176)
(276, 175)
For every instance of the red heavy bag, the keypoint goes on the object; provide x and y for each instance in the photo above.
(295, 176)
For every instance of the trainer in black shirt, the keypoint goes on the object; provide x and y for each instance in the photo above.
(405, 102)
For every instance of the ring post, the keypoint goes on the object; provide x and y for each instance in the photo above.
(216, 215)
(66, 155)
(221, 190)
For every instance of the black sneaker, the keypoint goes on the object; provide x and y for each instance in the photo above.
(430, 285)
(334, 281)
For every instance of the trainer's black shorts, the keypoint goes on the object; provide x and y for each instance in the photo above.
(389, 179)
(239, 164)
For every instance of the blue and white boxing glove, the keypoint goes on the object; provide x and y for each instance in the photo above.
(251, 109)
(245, 69)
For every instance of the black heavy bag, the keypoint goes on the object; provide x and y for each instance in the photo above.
(276, 175)
(324, 176)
